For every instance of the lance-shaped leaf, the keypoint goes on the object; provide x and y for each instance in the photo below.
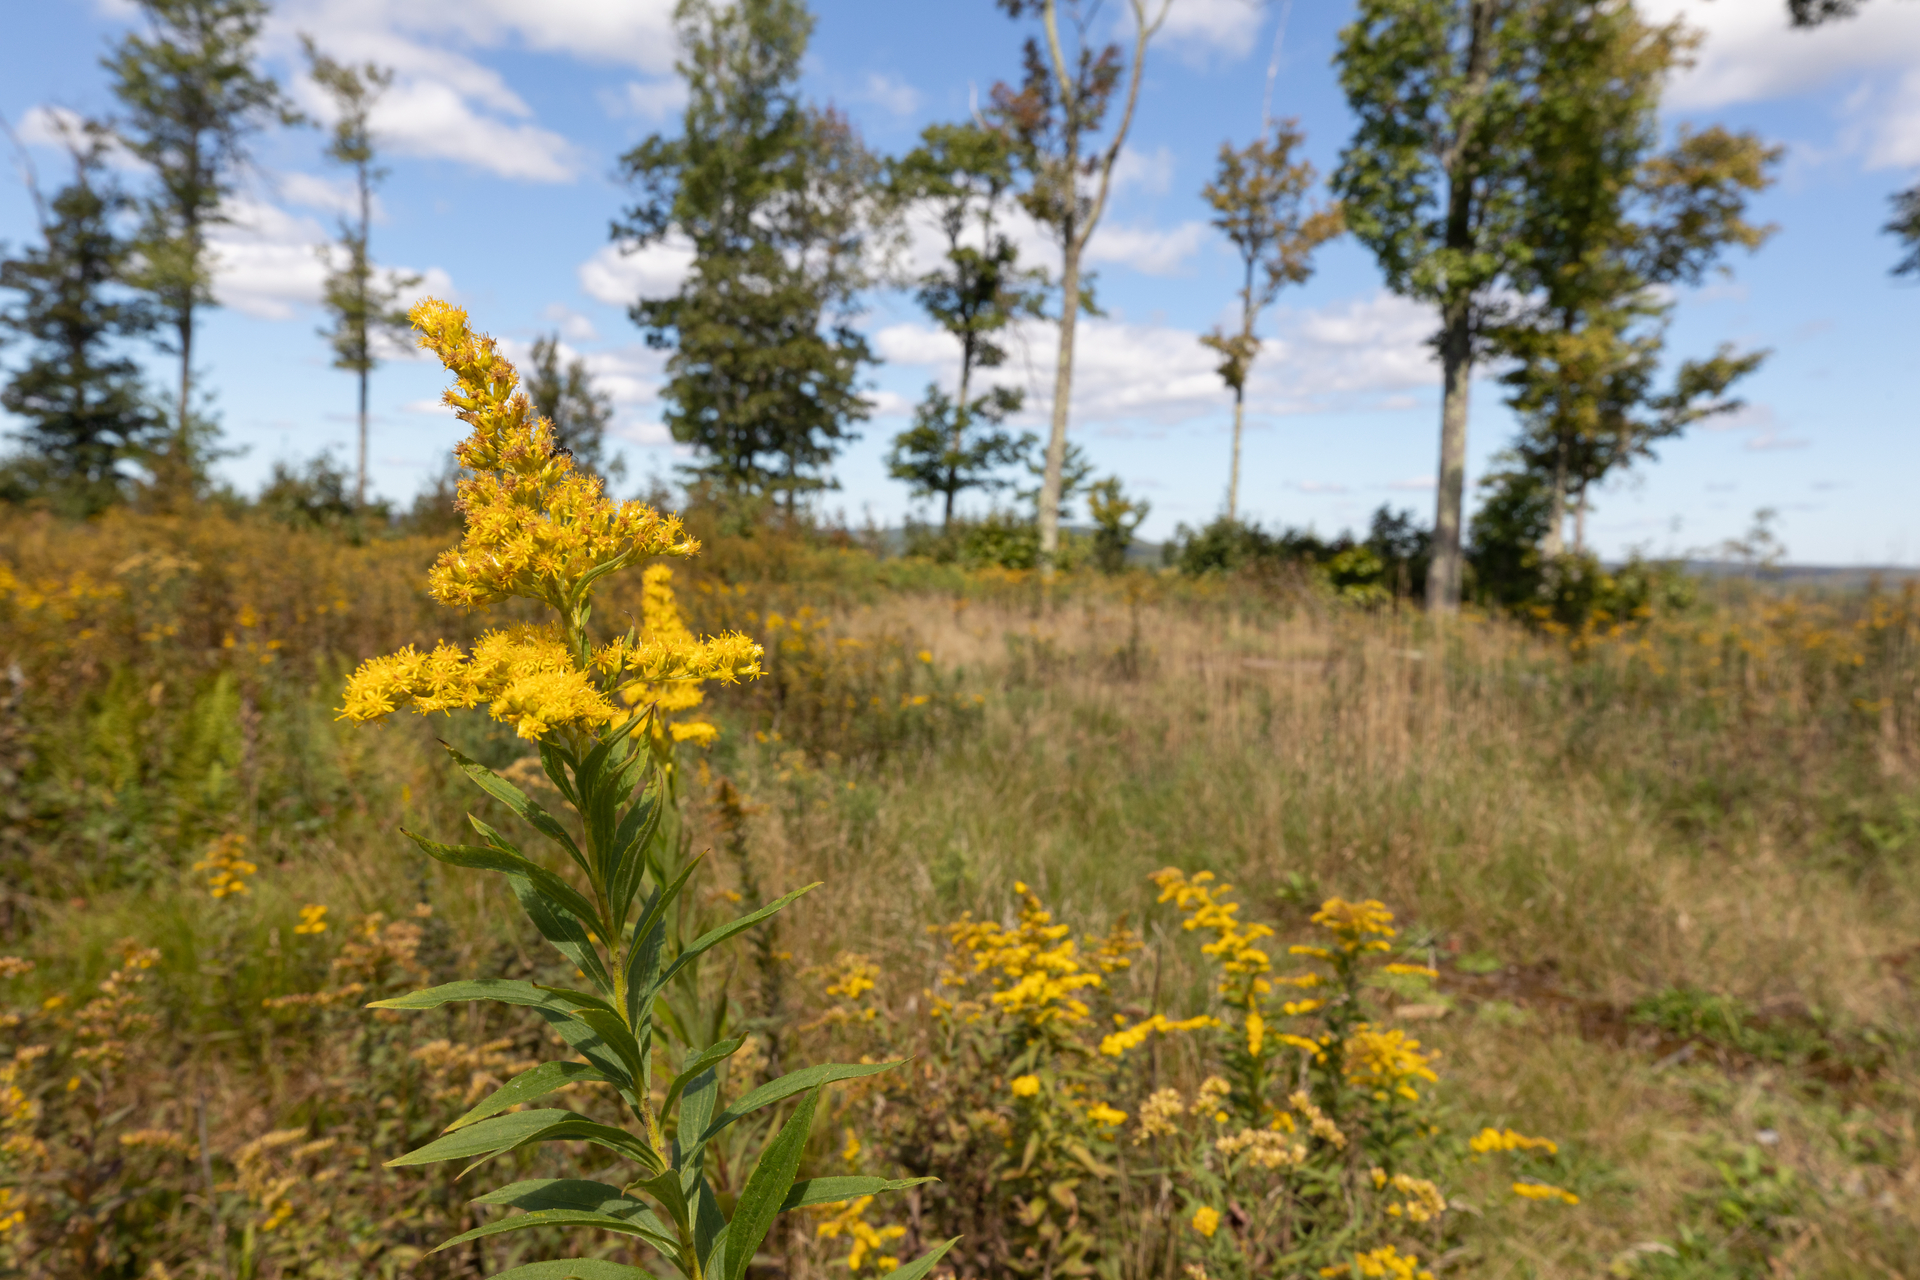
(518, 801)
(709, 1230)
(642, 820)
(561, 913)
(567, 1012)
(649, 936)
(574, 1269)
(794, 1082)
(811, 1191)
(548, 1077)
(557, 1218)
(501, 1134)
(714, 937)
(921, 1265)
(766, 1190)
(696, 1110)
(710, 1056)
(557, 760)
(666, 1188)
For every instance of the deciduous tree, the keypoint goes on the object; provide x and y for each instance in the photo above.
(1065, 92)
(192, 100)
(566, 397)
(962, 174)
(1433, 181)
(1258, 196)
(363, 301)
(778, 201)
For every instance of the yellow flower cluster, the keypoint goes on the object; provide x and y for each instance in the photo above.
(1035, 968)
(1101, 1113)
(536, 526)
(1387, 1062)
(1488, 1141)
(1157, 1115)
(1117, 1044)
(1265, 1148)
(1384, 1263)
(1319, 1123)
(1206, 1220)
(853, 975)
(227, 867)
(1541, 1191)
(1423, 1201)
(867, 1238)
(313, 919)
(1025, 1086)
(1233, 942)
(1357, 926)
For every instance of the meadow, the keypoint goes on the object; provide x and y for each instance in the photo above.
(1662, 871)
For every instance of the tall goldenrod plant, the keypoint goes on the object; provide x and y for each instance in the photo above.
(538, 528)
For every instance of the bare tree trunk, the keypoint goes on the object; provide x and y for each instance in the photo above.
(1456, 354)
(1062, 393)
(1554, 545)
(1580, 523)
(360, 483)
(1233, 476)
(365, 284)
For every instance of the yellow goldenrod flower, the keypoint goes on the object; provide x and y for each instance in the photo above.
(1116, 1044)
(313, 919)
(1256, 1033)
(1384, 1263)
(1206, 1220)
(867, 1239)
(1359, 926)
(1025, 1086)
(1488, 1141)
(1385, 1062)
(1541, 1191)
(1101, 1113)
(1157, 1114)
(227, 867)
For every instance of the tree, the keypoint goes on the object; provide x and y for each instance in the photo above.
(362, 303)
(1116, 517)
(1062, 101)
(963, 172)
(1610, 228)
(192, 100)
(1906, 226)
(777, 199)
(1432, 183)
(86, 408)
(578, 410)
(1811, 13)
(1257, 196)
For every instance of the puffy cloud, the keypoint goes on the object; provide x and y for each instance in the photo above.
(890, 93)
(654, 100)
(266, 262)
(1151, 171)
(1153, 251)
(1212, 26)
(618, 278)
(1751, 54)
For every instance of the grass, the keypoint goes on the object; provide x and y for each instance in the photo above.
(1667, 874)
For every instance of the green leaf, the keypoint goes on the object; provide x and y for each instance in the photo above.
(556, 760)
(766, 1189)
(528, 1085)
(812, 1191)
(574, 1269)
(921, 1265)
(496, 1133)
(551, 1218)
(649, 935)
(791, 1083)
(518, 801)
(641, 822)
(666, 1187)
(585, 1196)
(561, 913)
(696, 1109)
(699, 1062)
(582, 1020)
(709, 1229)
(714, 937)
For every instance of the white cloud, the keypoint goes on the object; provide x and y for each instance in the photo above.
(1751, 54)
(574, 327)
(653, 272)
(655, 100)
(1319, 486)
(890, 93)
(1151, 251)
(266, 263)
(433, 119)
(1418, 484)
(310, 191)
(50, 126)
(1151, 171)
(1219, 26)
(1345, 356)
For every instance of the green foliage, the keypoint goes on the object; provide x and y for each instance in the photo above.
(774, 197)
(1391, 560)
(191, 99)
(85, 406)
(1115, 518)
(1906, 227)
(951, 447)
(578, 410)
(319, 494)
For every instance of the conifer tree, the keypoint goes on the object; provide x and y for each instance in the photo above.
(192, 99)
(777, 199)
(85, 405)
(1257, 196)
(578, 410)
(957, 442)
(1906, 227)
(1066, 90)
(364, 304)
(1432, 183)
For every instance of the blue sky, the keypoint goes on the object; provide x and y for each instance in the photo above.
(508, 117)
